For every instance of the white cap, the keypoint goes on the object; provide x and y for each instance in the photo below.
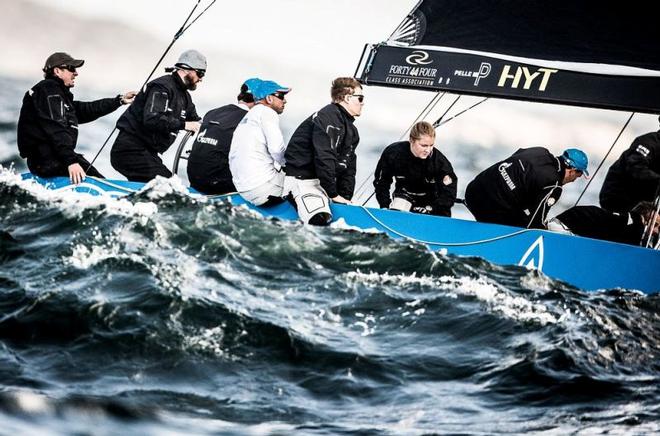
(192, 59)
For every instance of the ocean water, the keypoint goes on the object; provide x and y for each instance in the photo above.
(163, 314)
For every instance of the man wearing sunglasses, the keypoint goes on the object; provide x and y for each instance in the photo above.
(48, 123)
(256, 155)
(320, 157)
(150, 126)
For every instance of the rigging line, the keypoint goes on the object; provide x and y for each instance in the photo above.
(604, 158)
(462, 112)
(422, 115)
(437, 122)
(448, 244)
(177, 35)
(650, 225)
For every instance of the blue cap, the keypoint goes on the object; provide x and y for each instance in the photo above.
(577, 159)
(262, 88)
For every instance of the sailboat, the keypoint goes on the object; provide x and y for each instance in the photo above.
(571, 53)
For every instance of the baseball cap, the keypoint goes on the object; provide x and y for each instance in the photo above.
(59, 59)
(262, 88)
(577, 159)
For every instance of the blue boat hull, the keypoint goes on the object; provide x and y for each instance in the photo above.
(585, 263)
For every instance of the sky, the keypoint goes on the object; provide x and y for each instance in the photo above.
(302, 44)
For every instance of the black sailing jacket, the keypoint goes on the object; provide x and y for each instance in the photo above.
(634, 176)
(208, 164)
(423, 182)
(323, 147)
(48, 125)
(159, 111)
(517, 191)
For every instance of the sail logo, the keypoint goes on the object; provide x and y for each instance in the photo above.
(419, 57)
(530, 77)
(482, 73)
(533, 257)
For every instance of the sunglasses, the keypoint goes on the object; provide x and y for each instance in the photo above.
(69, 68)
(200, 73)
(360, 97)
(279, 95)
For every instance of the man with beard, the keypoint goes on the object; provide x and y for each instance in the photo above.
(160, 111)
(48, 123)
(425, 181)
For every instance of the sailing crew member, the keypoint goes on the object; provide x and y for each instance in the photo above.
(321, 161)
(208, 163)
(48, 122)
(150, 126)
(256, 154)
(425, 181)
(598, 223)
(520, 190)
(635, 176)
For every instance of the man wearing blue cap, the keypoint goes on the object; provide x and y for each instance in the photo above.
(520, 190)
(256, 155)
(635, 176)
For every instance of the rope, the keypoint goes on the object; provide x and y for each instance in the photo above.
(448, 244)
(604, 158)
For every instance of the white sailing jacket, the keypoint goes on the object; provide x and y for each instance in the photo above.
(257, 149)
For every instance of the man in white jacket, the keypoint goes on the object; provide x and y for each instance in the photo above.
(256, 155)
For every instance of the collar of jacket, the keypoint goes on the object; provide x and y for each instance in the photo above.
(179, 81)
(60, 83)
(344, 112)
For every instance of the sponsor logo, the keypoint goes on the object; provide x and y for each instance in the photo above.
(419, 57)
(202, 138)
(483, 72)
(642, 150)
(507, 179)
(533, 257)
(530, 77)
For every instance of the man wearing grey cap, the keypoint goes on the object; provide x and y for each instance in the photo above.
(150, 126)
(48, 123)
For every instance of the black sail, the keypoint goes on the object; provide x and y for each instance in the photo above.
(584, 53)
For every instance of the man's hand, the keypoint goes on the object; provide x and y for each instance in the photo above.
(76, 173)
(340, 199)
(128, 97)
(192, 126)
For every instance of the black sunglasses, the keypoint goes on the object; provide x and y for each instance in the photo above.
(200, 73)
(69, 68)
(360, 97)
(279, 95)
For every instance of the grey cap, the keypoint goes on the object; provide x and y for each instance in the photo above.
(192, 59)
(60, 59)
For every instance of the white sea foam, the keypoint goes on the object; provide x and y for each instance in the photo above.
(496, 298)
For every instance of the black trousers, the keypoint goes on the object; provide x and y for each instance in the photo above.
(54, 168)
(131, 157)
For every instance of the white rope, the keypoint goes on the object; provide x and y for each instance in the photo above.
(448, 244)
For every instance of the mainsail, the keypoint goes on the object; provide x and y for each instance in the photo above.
(583, 53)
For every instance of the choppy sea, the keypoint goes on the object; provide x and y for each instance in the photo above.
(164, 314)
